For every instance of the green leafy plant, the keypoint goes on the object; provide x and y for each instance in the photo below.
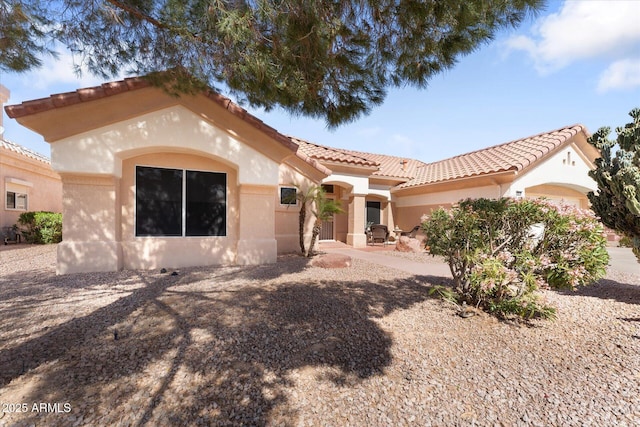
(41, 227)
(323, 210)
(503, 252)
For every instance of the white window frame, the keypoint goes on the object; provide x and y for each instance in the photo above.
(20, 189)
(16, 205)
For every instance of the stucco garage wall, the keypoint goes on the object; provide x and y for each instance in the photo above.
(409, 209)
(559, 194)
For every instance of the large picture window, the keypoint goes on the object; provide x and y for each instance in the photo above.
(177, 202)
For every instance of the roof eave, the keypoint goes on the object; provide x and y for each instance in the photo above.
(499, 177)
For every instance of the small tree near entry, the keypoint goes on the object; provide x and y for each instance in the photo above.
(304, 197)
(617, 201)
(323, 210)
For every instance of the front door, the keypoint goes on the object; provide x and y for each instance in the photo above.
(326, 229)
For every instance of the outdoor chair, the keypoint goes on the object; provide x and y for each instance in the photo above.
(379, 232)
(411, 234)
(10, 235)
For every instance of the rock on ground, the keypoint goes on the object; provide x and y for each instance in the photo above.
(408, 244)
(331, 261)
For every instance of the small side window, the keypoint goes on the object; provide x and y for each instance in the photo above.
(17, 201)
(288, 196)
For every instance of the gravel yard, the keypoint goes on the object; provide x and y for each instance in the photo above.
(292, 345)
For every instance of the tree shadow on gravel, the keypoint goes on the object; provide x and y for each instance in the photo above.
(202, 348)
(611, 290)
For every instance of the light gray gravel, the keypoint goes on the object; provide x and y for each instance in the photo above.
(286, 344)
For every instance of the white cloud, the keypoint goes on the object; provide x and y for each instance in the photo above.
(582, 30)
(369, 132)
(61, 71)
(620, 75)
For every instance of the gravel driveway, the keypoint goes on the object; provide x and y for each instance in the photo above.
(287, 344)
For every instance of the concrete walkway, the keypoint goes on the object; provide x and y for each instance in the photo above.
(622, 259)
(379, 257)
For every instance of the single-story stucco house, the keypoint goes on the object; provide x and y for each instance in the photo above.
(151, 180)
(398, 191)
(28, 181)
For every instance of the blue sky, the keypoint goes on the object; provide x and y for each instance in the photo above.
(576, 62)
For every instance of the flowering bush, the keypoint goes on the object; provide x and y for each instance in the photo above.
(503, 252)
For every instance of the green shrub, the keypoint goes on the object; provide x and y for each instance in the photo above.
(41, 227)
(625, 242)
(502, 252)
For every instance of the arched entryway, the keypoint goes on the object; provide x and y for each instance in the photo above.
(561, 193)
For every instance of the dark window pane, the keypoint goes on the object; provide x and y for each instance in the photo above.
(11, 200)
(158, 202)
(206, 204)
(328, 188)
(373, 212)
(288, 196)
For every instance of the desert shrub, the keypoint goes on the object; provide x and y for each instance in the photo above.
(625, 242)
(41, 227)
(503, 252)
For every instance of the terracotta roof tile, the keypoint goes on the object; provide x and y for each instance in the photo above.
(391, 166)
(12, 146)
(61, 100)
(329, 154)
(515, 156)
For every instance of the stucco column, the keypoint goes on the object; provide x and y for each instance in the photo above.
(256, 232)
(355, 234)
(90, 225)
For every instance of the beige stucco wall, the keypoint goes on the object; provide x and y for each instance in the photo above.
(173, 129)
(287, 216)
(559, 194)
(41, 184)
(341, 221)
(567, 168)
(409, 209)
(172, 252)
(98, 167)
(90, 225)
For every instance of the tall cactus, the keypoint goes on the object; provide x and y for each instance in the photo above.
(617, 201)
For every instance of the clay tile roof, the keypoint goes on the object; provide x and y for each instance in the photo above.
(511, 156)
(387, 166)
(12, 146)
(61, 100)
(391, 166)
(329, 154)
